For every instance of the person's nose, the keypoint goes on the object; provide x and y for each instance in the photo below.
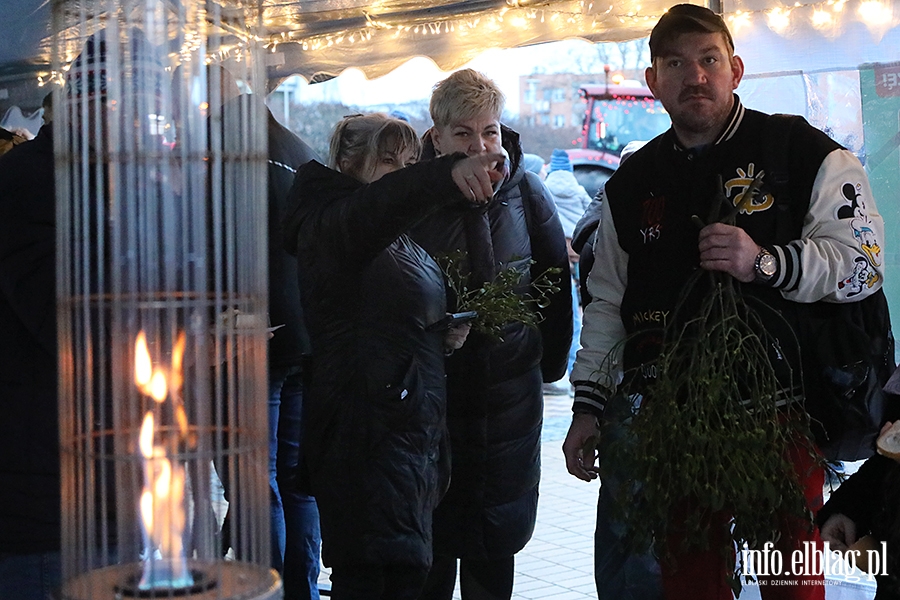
(695, 74)
(477, 146)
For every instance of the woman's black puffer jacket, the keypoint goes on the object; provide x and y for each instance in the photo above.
(374, 415)
(494, 397)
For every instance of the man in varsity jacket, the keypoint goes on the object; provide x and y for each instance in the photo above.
(817, 237)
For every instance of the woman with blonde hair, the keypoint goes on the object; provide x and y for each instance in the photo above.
(494, 396)
(375, 441)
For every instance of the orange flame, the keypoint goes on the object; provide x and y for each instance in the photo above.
(163, 514)
(152, 382)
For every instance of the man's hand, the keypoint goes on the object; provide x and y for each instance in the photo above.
(730, 249)
(583, 427)
(839, 531)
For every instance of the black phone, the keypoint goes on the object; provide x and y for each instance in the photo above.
(453, 319)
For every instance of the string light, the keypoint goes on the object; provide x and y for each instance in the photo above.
(821, 18)
(820, 15)
(515, 15)
(874, 12)
(779, 18)
(739, 20)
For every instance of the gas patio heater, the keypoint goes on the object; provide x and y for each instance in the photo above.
(161, 289)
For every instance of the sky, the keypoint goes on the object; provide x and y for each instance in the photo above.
(414, 79)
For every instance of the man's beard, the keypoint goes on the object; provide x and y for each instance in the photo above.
(694, 121)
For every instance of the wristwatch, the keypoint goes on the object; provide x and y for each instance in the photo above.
(766, 265)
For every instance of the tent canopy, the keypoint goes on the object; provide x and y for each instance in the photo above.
(318, 39)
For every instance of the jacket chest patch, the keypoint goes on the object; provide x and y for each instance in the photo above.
(736, 187)
(652, 210)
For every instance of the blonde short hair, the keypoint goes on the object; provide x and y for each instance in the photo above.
(362, 139)
(463, 95)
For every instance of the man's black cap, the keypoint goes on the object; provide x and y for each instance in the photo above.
(685, 18)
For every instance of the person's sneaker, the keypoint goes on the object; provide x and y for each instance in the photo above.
(557, 388)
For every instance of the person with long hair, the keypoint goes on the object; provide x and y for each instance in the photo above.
(376, 441)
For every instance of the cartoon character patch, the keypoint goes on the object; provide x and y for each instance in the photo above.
(868, 243)
(652, 210)
(861, 278)
(736, 187)
(854, 209)
(855, 205)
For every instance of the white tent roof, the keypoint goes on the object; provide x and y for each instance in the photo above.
(319, 38)
(377, 37)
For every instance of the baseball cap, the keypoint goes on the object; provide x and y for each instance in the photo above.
(685, 18)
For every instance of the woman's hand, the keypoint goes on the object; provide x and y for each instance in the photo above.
(456, 336)
(475, 176)
(839, 531)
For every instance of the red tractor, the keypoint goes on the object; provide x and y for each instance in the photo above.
(616, 113)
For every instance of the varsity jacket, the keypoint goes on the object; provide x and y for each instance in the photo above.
(824, 230)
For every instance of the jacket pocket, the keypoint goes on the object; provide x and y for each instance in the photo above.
(402, 389)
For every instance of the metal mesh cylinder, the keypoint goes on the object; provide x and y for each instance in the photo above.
(162, 298)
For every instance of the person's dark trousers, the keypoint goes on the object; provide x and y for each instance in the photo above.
(478, 579)
(296, 538)
(30, 576)
(619, 572)
(376, 582)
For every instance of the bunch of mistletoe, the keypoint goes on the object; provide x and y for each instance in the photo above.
(709, 446)
(504, 299)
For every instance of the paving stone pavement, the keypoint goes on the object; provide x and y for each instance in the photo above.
(557, 564)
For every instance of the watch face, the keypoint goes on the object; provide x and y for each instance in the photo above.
(767, 265)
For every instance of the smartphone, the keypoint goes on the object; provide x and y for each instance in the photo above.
(452, 320)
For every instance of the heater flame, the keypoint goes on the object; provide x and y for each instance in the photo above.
(143, 367)
(152, 382)
(147, 510)
(145, 441)
(159, 388)
(162, 506)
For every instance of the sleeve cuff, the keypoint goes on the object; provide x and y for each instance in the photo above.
(787, 277)
(590, 398)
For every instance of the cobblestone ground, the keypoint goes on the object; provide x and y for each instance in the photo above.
(557, 564)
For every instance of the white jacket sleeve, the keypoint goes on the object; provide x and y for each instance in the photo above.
(840, 255)
(597, 368)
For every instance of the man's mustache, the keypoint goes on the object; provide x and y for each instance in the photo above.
(695, 91)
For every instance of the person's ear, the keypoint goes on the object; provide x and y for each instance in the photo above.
(737, 71)
(436, 140)
(650, 77)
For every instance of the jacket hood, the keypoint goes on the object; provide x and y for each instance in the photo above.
(563, 184)
(512, 143)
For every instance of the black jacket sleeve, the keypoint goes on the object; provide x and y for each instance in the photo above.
(362, 220)
(860, 496)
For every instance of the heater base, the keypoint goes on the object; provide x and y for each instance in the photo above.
(227, 580)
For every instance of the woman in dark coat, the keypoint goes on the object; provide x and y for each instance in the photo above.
(494, 395)
(375, 414)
